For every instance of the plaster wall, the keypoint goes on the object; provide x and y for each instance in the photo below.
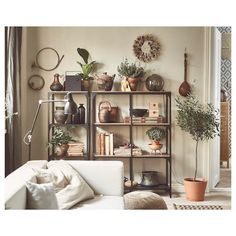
(109, 46)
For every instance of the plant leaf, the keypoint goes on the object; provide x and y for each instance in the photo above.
(84, 54)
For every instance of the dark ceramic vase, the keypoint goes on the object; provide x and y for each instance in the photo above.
(81, 112)
(56, 85)
(154, 83)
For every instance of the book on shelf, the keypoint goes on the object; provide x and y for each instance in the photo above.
(104, 143)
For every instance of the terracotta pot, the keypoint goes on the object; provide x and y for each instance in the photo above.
(195, 190)
(61, 150)
(133, 83)
(86, 85)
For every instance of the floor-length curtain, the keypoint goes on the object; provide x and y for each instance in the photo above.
(13, 38)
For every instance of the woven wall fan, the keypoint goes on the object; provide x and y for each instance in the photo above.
(146, 48)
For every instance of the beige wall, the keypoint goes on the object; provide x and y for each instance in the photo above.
(109, 46)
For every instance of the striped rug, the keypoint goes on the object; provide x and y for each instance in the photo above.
(198, 207)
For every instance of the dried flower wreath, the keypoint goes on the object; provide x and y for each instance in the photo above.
(146, 48)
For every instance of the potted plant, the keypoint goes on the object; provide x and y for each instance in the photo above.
(60, 140)
(87, 68)
(202, 123)
(156, 134)
(132, 72)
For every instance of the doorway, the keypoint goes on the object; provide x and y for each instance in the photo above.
(225, 144)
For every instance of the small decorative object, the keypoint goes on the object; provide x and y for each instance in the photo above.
(105, 82)
(202, 123)
(56, 85)
(133, 74)
(146, 48)
(37, 65)
(149, 178)
(60, 140)
(87, 69)
(81, 112)
(36, 82)
(153, 109)
(154, 83)
(185, 88)
(104, 113)
(125, 85)
(139, 112)
(156, 134)
(59, 115)
(114, 115)
(223, 95)
(72, 82)
(128, 183)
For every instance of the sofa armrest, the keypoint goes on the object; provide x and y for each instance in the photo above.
(15, 189)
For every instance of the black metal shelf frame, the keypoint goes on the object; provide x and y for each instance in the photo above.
(167, 185)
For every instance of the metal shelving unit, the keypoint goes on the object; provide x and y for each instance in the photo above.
(166, 156)
(51, 124)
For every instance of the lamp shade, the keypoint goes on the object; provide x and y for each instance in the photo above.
(70, 106)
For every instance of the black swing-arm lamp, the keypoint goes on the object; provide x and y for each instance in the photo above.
(70, 108)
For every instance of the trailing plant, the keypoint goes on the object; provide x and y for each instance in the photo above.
(86, 67)
(156, 133)
(200, 121)
(60, 137)
(130, 69)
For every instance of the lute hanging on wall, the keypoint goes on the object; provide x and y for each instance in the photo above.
(184, 88)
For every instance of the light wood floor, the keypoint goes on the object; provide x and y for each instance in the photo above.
(212, 198)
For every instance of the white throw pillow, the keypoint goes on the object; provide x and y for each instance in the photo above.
(41, 196)
(51, 175)
(76, 191)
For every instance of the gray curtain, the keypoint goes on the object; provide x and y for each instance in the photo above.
(13, 38)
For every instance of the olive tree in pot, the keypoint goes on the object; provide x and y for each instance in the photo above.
(202, 123)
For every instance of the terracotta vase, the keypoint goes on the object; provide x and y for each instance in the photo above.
(133, 83)
(195, 190)
(56, 85)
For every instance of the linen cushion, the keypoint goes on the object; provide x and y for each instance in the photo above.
(144, 200)
(77, 189)
(41, 196)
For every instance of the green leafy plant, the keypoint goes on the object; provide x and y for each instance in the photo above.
(156, 134)
(130, 69)
(200, 121)
(60, 137)
(86, 67)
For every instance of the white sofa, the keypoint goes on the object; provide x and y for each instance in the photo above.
(104, 177)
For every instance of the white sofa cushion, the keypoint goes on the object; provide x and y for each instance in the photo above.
(101, 203)
(41, 196)
(77, 189)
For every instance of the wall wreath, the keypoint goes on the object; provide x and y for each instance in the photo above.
(146, 48)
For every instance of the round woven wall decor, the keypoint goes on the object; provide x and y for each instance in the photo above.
(146, 48)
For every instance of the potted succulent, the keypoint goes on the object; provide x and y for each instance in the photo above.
(60, 140)
(156, 134)
(87, 68)
(132, 72)
(202, 123)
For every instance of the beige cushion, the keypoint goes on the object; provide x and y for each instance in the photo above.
(77, 189)
(144, 200)
(41, 196)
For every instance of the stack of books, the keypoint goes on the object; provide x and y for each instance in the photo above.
(75, 149)
(138, 120)
(127, 151)
(105, 144)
